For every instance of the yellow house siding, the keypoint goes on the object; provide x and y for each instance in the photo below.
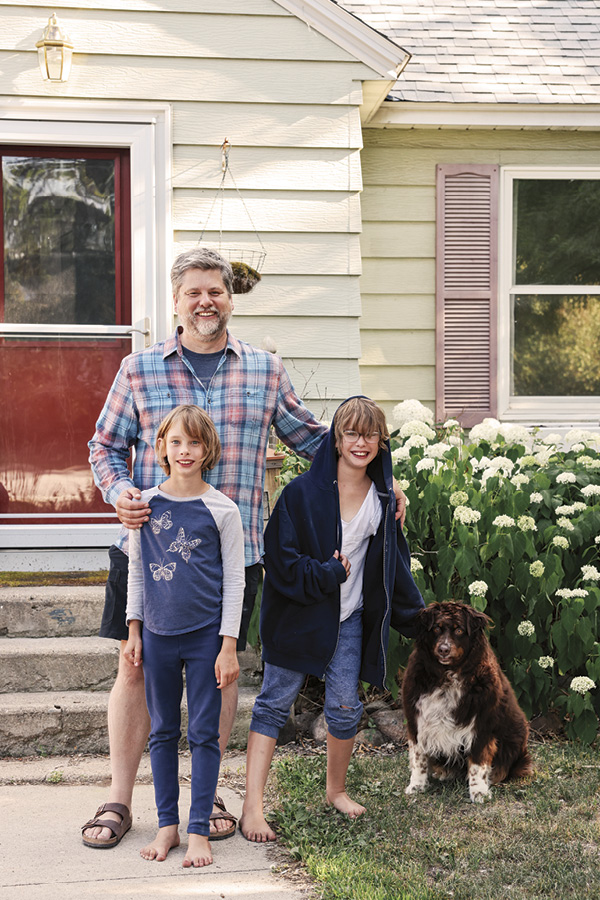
(398, 241)
(288, 100)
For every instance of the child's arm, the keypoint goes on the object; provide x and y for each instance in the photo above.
(133, 647)
(227, 667)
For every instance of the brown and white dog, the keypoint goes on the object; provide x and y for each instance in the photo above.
(461, 712)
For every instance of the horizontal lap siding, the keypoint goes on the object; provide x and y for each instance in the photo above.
(287, 100)
(399, 255)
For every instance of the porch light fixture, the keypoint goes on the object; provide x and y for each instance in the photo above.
(55, 52)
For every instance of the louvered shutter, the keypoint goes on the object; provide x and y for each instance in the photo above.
(466, 292)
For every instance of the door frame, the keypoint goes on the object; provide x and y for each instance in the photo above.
(145, 129)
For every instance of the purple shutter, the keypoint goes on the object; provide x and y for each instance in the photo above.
(466, 292)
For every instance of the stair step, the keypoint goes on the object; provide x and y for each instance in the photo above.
(55, 611)
(57, 664)
(67, 722)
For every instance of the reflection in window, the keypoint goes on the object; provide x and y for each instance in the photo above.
(555, 325)
(59, 240)
(556, 341)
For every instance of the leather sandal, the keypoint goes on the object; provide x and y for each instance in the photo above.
(223, 814)
(119, 829)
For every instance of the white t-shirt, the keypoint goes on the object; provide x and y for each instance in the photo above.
(355, 542)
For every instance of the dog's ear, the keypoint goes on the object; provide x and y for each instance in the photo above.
(426, 618)
(475, 620)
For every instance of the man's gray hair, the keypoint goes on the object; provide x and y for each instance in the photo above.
(200, 258)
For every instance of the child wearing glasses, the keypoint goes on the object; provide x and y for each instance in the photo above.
(337, 577)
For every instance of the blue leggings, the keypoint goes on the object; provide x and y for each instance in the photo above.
(164, 657)
(343, 709)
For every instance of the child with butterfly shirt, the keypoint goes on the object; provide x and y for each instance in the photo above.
(185, 591)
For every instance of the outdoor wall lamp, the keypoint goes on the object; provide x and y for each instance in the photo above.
(55, 52)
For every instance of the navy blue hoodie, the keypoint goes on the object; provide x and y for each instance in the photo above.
(300, 607)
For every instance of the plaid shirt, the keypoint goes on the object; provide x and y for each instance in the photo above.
(249, 392)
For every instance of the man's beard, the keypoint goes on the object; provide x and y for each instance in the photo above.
(196, 324)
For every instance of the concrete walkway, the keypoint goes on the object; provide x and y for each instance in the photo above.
(43, 857)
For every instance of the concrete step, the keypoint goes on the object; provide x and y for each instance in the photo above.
(55, 611)
(68, 722)
(57, 664)
(78, 664)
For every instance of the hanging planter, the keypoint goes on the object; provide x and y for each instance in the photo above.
(246, 263)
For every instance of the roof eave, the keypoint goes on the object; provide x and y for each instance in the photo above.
(386, 58)
(447, 115)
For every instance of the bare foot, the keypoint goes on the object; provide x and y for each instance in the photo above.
(165, 840)
(255, 828)
(198, 852)
(345, 805)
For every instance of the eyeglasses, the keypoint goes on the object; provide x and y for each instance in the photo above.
(353, 436)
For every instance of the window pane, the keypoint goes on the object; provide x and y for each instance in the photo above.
(59, 240)
(555, 346)
(557, 225)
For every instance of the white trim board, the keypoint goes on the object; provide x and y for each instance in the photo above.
(375, 50)
(409, 114)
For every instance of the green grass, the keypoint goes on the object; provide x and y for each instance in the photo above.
(538, 839)
(37, 579)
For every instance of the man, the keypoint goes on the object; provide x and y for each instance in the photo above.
(245, 391)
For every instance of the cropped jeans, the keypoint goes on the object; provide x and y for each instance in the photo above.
(164, 657)
(343, 709)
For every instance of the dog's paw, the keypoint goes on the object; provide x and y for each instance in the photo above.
(414, 788)
(480, 796)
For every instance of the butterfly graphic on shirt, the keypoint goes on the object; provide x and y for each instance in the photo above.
(164, 571)
(183, 546)
(164, 522)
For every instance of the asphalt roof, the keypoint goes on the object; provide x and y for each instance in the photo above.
(492, 51)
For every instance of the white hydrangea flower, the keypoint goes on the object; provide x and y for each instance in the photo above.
(536, 497)
(425, 464)
(572, 594)
(581, 684)
(504, 522)
(591, 490)
(580, 436)
(436, 451)
(478, 589)
(490, 473)
(597, 539)
(519, 480)
(417, 440)
(483, 432)
(565, 510)
(514, 434)
(403, 484)
(528, 460)
(454, 440)
(415, 426)
(503, 463)
(553, 438)
(577, 448)
(566, 478)
(560, 541)
(590, 573)
(415, 566)
(451, 423)
(545, 662)
(466, 516)
(400, 454)
(541, 458)
(566, 524)
(410, 410)
(526, 523)
(458, 498)
(526, 628)
(536, 568)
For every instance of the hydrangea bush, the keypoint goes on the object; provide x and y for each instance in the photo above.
(508, 520)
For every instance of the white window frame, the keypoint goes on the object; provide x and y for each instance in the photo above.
(145, 129)
(533, 410)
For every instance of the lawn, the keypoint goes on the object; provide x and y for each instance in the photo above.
(538, 839)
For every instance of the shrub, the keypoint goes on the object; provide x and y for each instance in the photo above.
(509, 521)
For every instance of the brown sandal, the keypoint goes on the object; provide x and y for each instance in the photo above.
(226, 832)
(119, 829)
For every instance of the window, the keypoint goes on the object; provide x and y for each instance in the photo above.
(549, 299)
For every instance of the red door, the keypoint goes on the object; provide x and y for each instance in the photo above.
(65, 324)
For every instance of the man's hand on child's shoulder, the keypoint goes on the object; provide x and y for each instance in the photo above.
(400, 503)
